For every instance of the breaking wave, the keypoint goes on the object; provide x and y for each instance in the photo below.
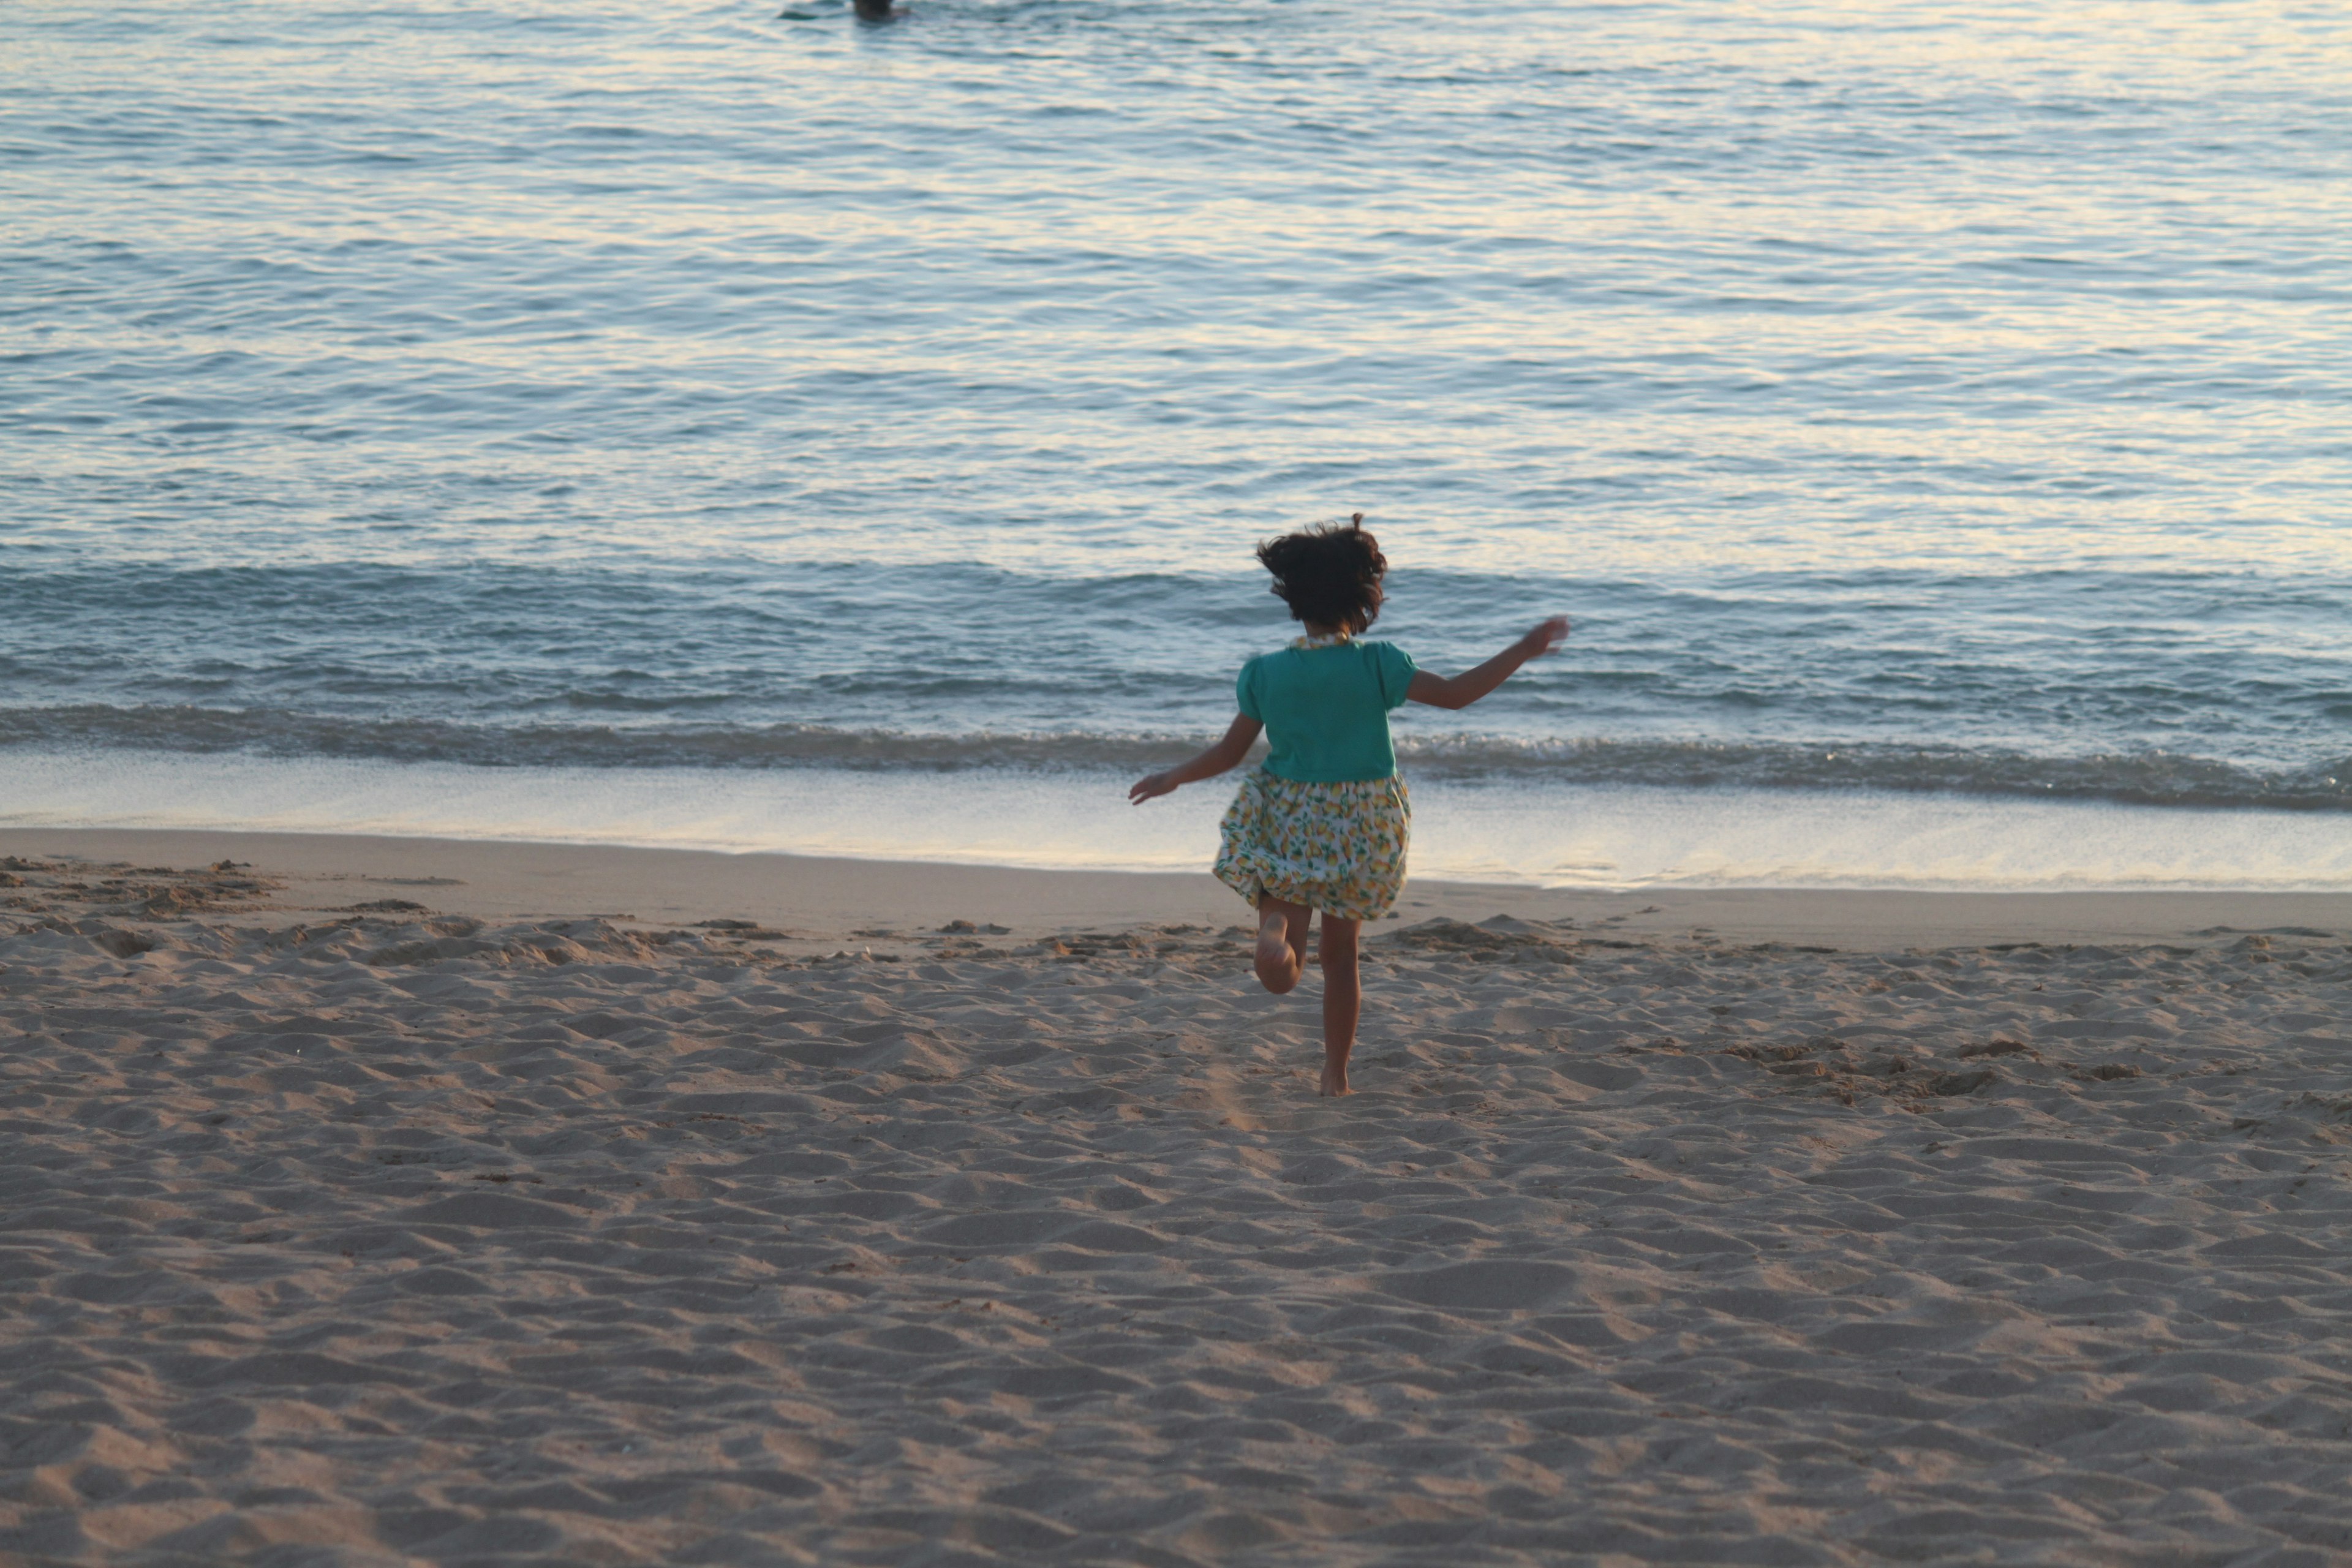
(2144, 778)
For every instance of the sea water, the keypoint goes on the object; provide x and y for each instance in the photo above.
(745, 426)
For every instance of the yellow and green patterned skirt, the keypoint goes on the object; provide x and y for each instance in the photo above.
(1336, 847)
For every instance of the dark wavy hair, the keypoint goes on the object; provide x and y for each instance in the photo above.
(1328, 575)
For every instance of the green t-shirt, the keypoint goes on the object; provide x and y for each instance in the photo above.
(1325, 706)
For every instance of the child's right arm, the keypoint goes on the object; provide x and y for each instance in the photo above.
(1461, 690)
(1224, 754)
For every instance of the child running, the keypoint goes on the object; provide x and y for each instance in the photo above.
(1322, 823)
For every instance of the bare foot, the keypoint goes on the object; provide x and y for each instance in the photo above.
(1335, 1082)
(1277, 964)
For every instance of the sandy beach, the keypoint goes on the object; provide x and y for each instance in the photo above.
(374, 1202)
(629, 634)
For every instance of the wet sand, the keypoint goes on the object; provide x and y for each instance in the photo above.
(819, 901)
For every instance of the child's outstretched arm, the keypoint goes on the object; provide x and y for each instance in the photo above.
(1461, 690)
(1224, 754)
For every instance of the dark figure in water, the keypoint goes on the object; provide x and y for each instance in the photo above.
(873, 10)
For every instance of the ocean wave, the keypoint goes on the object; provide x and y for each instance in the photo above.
(2144, 778)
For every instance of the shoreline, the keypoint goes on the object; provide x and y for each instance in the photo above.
(818, 901)
(1596, 838)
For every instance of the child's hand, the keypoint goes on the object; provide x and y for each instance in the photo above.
(1150, 788)
(1546, 638)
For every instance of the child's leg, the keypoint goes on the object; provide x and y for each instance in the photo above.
(1343, 997)
(1281, 943)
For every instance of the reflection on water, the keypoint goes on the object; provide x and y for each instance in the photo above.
(1596, 836)
(1959, 387)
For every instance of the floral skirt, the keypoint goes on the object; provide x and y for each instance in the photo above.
(1336, 847)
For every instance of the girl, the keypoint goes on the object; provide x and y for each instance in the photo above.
(1322, 823)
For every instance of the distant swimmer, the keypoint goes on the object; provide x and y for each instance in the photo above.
(873, 10)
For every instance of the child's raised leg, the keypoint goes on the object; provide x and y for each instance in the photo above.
(1343, 997)
(1281, 943)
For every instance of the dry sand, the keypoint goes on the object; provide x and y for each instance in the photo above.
(386, 1235)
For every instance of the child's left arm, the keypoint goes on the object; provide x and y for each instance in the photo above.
(1461, 690)
(1224, 754)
